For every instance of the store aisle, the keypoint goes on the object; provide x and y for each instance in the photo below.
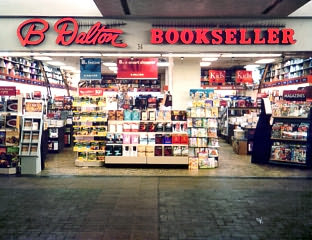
(140, 208)
(230, 165)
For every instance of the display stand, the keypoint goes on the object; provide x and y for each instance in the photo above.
(202, 129)
(30, 152)
(291, 139)
(89, 130)
(261, 144)
(30, 144)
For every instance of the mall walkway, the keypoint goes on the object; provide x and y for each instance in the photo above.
(190, 208)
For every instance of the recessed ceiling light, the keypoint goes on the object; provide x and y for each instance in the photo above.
(251, 66)
(112, 68)
(228, 55)
(69, 68)
(65, 54)
(201, 55)
(110, 64)
(209, 59)
(131, 55)
(205, 64)
(162, 64)
(265, 60)
(43, 58)
(56, 63)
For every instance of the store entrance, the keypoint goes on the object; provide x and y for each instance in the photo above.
(130, 124)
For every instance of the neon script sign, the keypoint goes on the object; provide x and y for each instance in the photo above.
(32, 32)
(229, 36)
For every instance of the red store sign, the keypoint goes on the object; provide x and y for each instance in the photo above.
(7, 91)
(243, 76)
(229, 36)
(90, 92)
(216, 76)
(137, 68)
(32, 32)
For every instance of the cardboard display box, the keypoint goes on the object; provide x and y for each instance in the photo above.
(240, 147)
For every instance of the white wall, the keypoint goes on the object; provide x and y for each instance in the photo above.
(185, 75)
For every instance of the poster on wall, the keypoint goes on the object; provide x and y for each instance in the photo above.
(216, 76)
(90, 68)
(243, 76)
(137, 68)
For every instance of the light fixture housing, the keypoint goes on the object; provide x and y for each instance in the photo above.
(131, 54)
(162, 64)
(56, 63)
(265, 61)
(67, 54)
(244, 55)
(109, 64)
(209, 59)
(205, 64)
(201, 55)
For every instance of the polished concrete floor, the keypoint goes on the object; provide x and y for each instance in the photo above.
(230, 165)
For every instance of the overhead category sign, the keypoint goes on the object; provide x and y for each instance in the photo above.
(229, 36)
(137, 68)
(32, 32)
(90, 68)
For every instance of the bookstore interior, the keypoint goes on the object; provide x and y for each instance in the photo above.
(131, 109)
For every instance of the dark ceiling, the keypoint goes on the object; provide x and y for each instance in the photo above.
(198, 8)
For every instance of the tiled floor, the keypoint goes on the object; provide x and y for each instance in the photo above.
(151, 208)
(230, 165)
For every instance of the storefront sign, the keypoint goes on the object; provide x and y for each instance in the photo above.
(32, 32)
(243, 76)
(230, 36)
(90, 92)
(294, 95)
(137, 68)
(216, 76)
(90, 68)
(7, 91)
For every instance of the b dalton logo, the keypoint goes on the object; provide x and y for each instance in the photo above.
(32, 32)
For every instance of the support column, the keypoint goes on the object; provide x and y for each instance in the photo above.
(185, 75)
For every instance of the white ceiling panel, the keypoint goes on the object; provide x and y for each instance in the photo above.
(48, 8)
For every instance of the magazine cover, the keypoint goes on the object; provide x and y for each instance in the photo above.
(12, 138)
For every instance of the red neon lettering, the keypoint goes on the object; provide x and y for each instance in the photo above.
(156, 36)
(288, 36)
(32, 32)
(230, 36)
(190, 37)
(61, 28)
(273, 36)
(172, 36)
(257, 40)
(97, 34)
(217, 36)
(201, 36)
(243, 39)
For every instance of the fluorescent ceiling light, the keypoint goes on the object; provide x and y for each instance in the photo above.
(112, 68)
(18, 54)
(59, 54)
(228, 55)
(56, 63)
(251, 66)
(131, 55)
(43, 58)
(202, 55)
(264, 61)
(110, 64)
(162, 64)
(205, 64)
(209, 59)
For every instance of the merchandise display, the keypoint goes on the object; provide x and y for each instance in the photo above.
(202, 130)
(89, 130)
(291, 133)
(147, 134)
